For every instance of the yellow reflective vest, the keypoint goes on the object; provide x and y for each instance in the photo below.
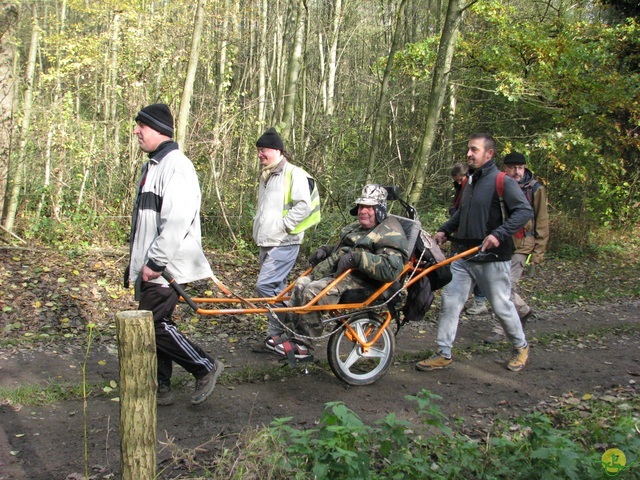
(314, 217)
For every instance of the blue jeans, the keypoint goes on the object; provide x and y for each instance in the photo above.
(493, 279)
(275, 265)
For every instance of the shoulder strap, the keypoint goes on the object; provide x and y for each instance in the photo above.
(500, 184)
(500, 191)
(530, 193)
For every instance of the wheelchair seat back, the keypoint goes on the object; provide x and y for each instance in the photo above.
(412, 230)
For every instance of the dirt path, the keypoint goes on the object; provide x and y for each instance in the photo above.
(47, 442)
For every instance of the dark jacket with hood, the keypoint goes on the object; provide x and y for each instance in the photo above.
(480, 214)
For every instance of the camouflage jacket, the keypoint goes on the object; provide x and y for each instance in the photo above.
(380, 252)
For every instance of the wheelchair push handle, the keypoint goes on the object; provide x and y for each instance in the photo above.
(176, 286)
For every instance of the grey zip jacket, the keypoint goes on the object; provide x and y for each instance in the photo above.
(270, 228)
(165, 227)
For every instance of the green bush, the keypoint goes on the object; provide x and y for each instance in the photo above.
(565, 445)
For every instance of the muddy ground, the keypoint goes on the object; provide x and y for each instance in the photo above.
(577, 348)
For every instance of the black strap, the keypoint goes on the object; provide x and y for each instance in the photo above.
(469, 242)
(289, 349)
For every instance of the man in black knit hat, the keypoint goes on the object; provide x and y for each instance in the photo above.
(288, 203)
(165, 235)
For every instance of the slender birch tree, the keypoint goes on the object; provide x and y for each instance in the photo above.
(384, 87)
(333, 57)
(293, 72)
(8, 19)
(192, 67)
(437, 95)
(17, 170)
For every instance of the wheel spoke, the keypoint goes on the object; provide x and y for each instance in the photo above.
(352, 358)
(375, 353)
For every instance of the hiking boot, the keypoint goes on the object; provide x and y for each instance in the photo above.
(495, 338)
(478, 308)
(300, 351)
(518, 358)
(164, 395)
(206, 384)
(434, 362)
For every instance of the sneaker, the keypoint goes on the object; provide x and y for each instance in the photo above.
(478, 308)
(495, 338)
(300, 351)
(518, 358)
(164, 395)
(206, 384)
(267, 346)
(434, 362)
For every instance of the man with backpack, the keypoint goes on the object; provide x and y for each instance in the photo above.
(530, 241)
(482, 220)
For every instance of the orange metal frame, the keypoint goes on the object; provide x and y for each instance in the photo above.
(313, 306)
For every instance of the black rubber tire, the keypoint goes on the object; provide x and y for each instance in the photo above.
(346, 358)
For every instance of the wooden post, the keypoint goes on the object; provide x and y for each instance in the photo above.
(138, 386)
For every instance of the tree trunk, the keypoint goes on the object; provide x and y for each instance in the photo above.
(138, 367)
(112, 94)
(47, 176)
(437, 96)
(382, 98)
(18, 168)
(333, 56)
(262, 69)
(192, 67)
(295, 63)
(8, 18)
(449, 123)
(222, 65)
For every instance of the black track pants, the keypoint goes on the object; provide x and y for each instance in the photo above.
(171, 345)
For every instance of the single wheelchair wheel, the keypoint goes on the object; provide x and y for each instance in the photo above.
(347, 358)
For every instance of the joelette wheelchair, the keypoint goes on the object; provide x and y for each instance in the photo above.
(361, 343)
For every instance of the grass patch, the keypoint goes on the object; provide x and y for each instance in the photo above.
(41, 395)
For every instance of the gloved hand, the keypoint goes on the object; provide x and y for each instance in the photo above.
(319, 255)
(125, 282)
(346, 261)
(531, 270)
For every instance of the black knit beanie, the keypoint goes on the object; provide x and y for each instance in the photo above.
(514, 158)
(157, 116)
(270, 139)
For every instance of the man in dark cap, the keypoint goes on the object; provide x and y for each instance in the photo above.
(288, 203)
(375, 246)
(530, 241)
(165, 236)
